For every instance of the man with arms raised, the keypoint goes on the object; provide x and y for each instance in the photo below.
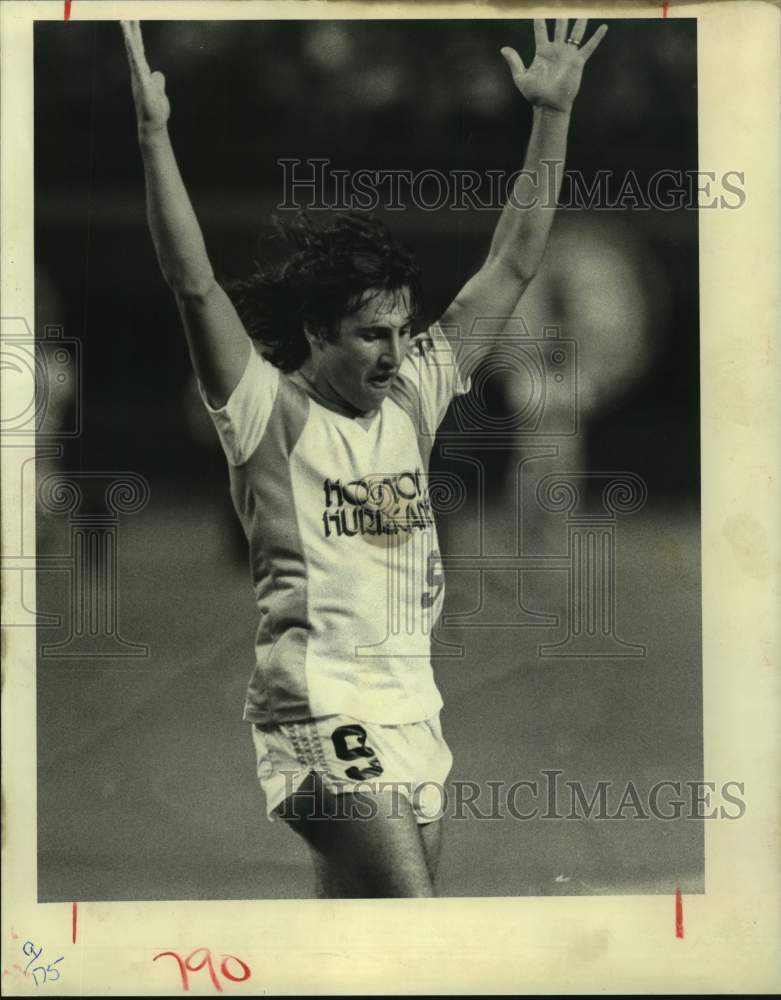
(326, 406)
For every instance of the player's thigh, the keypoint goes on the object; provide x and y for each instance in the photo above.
(431, 838)
(363, 844)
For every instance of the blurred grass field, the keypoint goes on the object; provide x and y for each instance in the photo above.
(146, 784)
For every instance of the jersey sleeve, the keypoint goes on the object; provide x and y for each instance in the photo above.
(240, 423)
(431, 366)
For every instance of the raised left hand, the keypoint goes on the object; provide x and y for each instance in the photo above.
(553, 79)
(152, 106)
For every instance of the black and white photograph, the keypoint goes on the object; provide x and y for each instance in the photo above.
(365, 466)
(326, 276)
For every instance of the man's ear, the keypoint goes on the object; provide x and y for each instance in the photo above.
(314, 334)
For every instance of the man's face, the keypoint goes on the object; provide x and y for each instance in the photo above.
(359, 367)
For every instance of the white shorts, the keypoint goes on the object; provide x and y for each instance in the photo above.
(353, 756)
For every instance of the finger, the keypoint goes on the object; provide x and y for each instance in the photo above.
(591, 44)
(560, 31)
(135, 28)
(139, 42)
(131, 32)
(579, 30)
(131, 45)
(540, 32)
(127, 34)
(514, 61)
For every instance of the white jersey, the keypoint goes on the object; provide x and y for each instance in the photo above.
(343, 545)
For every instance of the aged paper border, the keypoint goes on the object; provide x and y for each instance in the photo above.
(508, 945)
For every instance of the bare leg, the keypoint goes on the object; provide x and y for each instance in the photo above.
(431, 835)
(381, 855)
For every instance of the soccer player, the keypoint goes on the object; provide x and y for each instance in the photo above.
(326, 405)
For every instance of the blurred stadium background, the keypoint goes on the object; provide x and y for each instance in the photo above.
(146, 785)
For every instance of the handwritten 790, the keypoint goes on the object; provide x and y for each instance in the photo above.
(202, 958)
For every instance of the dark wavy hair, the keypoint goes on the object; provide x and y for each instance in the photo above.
(330, 272)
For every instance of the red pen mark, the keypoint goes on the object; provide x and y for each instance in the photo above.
(678, 914)
(665, 7)
(189, 964)
(245, 973)
(67, 9)
(74, 920)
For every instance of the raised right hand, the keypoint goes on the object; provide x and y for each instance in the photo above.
(553, 79)
(152, 106)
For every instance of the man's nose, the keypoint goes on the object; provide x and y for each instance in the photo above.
(393, 353)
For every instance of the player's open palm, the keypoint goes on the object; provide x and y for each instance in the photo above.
(553, 79)
(152, 106)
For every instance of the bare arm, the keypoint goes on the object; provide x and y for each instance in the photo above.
(551, 84)
(218, 343)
